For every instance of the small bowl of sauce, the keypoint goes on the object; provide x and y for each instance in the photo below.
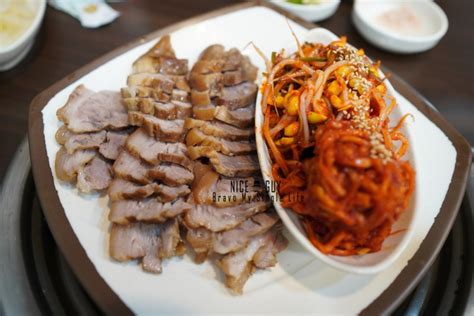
(400, 26)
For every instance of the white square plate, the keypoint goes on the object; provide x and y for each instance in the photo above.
(299, 283)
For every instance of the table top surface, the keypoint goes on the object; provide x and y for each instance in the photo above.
(444, 75)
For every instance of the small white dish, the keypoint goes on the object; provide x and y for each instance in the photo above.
(400, 26)
(310, 12)
(12, 54)
(371, 263)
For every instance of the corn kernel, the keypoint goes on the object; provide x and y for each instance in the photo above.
(343, 71)
(361, 89)
(292, 129)
(287, 140)
(341, 42)
(381, 88)
(336, 101)
(363, 251)
(334, 88)
(361, 52)
(279, 101)
(315, 118)
(354, 83)
(374, 71)
(293, 105)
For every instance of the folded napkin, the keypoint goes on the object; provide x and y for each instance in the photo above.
(91, 13)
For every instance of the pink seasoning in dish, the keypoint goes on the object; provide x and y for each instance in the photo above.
(401, 20)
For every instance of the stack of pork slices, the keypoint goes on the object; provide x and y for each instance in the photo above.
(94, 131)
(152, 174)
(230, 220)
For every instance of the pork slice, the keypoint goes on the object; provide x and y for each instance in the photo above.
(171, 174)
(227, 147)
(173, 66)
(113, 144)
(204, 112)
(230, 166)
(200, 97)
(109, 143)
(233, 60)
(162, 48)
(152, 151)
(265, 257)
(161, 59)
(121, 189)
(207, 66)
(143, 105)
(163, 110)
(152, 80)
(149, 210)
(210, 188)
(238, 266)
(219, 129)
(201, 240)
(88, 111)
(132, 94)
(160, 64)
(63, 134)
(78, 96)
(171, 240)
(233, 77)
(130, 168)
(204, 241)
(238, 96)
(237, 190)
(180, 82)
(173, 110)
(249, 70)
(239, 237)
(212, 52)
(180, 95)
(163, 130)
(205, 180)
(137, 241)
(242, 118)
(212, 82)
(68, 165)
(95, 176)
(219, 219)
(168, 194)
(83, 141)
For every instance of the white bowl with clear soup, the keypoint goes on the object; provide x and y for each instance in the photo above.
(20, 21)
(400, 26)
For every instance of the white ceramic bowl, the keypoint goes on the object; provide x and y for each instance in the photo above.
(365, 264)
(12, 54)
(433, 25)
(310, 12)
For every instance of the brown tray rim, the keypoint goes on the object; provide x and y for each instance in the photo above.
(108, 300)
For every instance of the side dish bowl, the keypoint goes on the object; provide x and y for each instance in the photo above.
(310, 12)
(363, 264)
(432, 19)
(13, 53)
